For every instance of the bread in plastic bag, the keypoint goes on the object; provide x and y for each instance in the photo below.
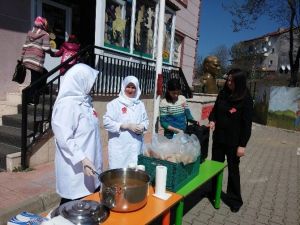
(183, 148)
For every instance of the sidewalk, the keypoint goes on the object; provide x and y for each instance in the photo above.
(270, 176)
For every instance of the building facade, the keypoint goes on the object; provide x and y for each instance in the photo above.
(127, 26)
(266, 55)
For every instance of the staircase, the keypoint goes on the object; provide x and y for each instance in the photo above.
(10, 129)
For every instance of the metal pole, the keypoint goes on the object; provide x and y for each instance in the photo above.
(159, 51)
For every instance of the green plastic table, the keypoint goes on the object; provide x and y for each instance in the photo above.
(208, 169)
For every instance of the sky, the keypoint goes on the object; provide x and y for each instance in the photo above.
(216, 28)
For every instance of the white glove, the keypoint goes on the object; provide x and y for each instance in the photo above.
(88, 167)
(140, 129)
(136, 128)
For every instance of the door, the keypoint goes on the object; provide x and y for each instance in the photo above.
(59, 22)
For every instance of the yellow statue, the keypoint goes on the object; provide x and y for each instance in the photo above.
(118, 24)
(138, 25)
(150, 14)
(211, 68)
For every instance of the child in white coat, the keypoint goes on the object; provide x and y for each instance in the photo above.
(125, 120)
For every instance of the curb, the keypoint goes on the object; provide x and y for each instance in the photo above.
(38, 204)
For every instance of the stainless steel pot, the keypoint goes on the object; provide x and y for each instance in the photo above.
(124, 190)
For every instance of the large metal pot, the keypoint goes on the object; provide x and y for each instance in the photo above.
(124, 190)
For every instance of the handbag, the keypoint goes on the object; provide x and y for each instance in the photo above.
(20, 73)
(202, 133)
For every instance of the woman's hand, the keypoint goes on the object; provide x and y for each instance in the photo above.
(178, 131)
(88, 167)
(175, 130)
(136, 128)
(240, 151)
(212, 125)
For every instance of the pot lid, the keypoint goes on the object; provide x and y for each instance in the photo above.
(84, 212)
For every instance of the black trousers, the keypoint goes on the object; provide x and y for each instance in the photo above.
(34, 98)
(233, 195)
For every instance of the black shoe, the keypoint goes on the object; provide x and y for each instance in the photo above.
(234, 209)
(227, 201)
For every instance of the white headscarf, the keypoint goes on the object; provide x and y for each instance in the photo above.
(123, 98)
(77, 84)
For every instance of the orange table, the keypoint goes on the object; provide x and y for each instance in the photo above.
(154, 208)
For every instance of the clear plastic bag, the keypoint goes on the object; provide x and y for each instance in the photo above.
(182, 148)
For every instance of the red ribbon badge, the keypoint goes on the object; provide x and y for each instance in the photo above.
(95, 113)
(232, 110)
(124, 110)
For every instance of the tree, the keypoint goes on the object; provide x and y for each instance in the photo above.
(285, 12)
(222, 53)
(238, 55)
(199, 67)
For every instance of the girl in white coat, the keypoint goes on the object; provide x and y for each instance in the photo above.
(77, 137)
(125, 120)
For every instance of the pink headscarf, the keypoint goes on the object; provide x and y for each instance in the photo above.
(41, 22)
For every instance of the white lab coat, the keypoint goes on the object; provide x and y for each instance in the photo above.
(76, 130)
(123, 145)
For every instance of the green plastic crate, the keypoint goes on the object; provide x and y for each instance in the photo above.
(177, 173)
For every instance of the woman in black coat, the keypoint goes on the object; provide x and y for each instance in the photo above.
(231, 120)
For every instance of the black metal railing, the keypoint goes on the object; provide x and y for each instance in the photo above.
(112, 66)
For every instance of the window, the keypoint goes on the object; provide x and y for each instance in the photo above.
(178, 48)
(144, 27)
(117, 24)
(168, 30)
(131, 26)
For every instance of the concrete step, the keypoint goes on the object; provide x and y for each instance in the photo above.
(5, 150)
(16, 121)
(40, 109)
(12, 136)
(47, 98)
(6, 108)
(14, 97)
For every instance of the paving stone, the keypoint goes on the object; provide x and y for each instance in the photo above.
(278, 212)
(223, 211)
(250, 212)
(229, 223)
(268, 205)
(292, 213)
(209, 211)
(218, 218)
(203, 217)
(247, 217)
(262, 219)
(276, 220)
(199, 221)
(246, 221)
(234, 218)
(265, 212)
(270, 180)
(291, 222)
